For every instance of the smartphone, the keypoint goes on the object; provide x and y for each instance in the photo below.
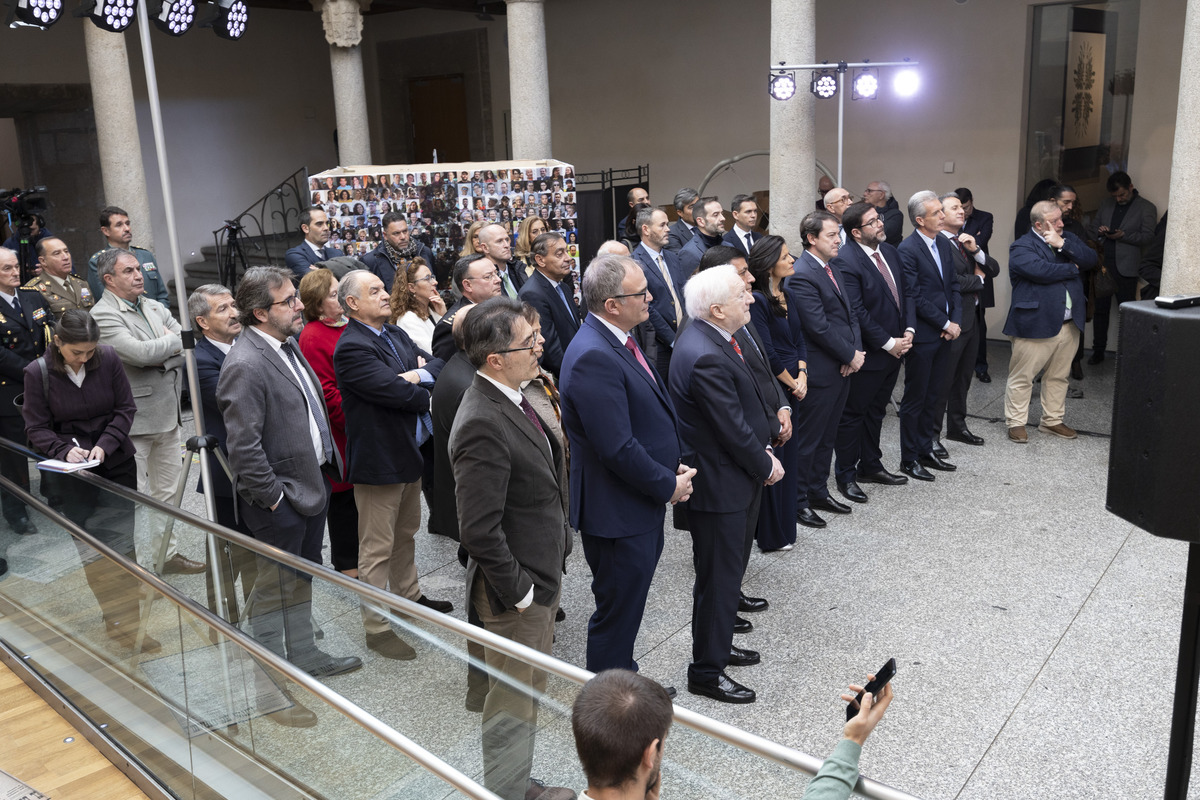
(885, 674)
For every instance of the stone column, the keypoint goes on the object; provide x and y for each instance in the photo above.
(528, 85)
(343, 30)
(117, 131)
(1181, 271)
(793, 153)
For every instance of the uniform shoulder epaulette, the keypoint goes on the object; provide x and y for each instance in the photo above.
(96, 254)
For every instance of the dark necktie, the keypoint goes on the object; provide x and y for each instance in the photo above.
(737, 349)
(313, 408)
(426, 429)
(528, 409)
(637, 353)
(887, 277)
(16, 304)
(749, 242)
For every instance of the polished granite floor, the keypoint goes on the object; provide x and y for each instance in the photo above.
(1035, 633)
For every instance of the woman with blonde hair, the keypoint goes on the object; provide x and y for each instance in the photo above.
(471, 239)
(530, 229)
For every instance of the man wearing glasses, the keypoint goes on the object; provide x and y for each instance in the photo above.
(879, 194)
(477, 280)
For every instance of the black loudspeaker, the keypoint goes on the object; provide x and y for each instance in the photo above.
(1154, 462)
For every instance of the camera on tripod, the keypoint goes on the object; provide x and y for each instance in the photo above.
(24, 207)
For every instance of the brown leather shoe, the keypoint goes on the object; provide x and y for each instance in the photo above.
(178, 565)
(1017, 434)
(1060, 430)
(296, 716)
(389, 645)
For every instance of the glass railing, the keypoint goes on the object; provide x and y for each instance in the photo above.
(213, 709)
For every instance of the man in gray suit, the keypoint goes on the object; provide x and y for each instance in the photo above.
(279, 444)
(511, 522)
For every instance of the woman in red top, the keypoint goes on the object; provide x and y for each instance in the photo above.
(324, 325)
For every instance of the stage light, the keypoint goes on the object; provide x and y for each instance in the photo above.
(866, 85)
(230, 22)
(109, 15)
(34, 13)
(783, 86)
(907, 82)
(824, 84)
(173, 17)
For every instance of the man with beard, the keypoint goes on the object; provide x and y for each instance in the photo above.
(396, 250)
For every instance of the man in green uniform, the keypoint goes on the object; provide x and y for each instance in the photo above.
(61, 289)
(115, 227)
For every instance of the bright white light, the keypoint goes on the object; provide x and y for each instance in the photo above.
(825, 86)
(866, 85)
(907, 82)
(783, 87)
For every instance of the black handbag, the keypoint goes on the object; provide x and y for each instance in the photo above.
(1103, 285)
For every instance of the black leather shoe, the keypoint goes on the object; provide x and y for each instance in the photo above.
(809, 518)
(966, 437)
(724, 690)
(671, 693)
(740, 657)
(742, 625)
(560, 615)
(915, 470)
(1077, 370)
(934, 462)
(444, 606)
(939, 450)
(883, 477)
(983, 377)
(23, 526)
(1096, 357)
(827, 503)
(852, 492)
(750, 605)
(324, 665)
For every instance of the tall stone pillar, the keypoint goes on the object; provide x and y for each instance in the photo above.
(793, 153)
(529, 89)
(117, 130)
(1181, 270)
(343, 30)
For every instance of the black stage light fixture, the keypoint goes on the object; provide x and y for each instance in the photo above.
(783, 86)
(110, 15)
(866, 84)
(34, 13)
(230, 20)
(824, 84)
(173, 17)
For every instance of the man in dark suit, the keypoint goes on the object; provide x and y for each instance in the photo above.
(744, 209)
(544, 290)
(879, 194)
(710, 227)
(974, 270)
(725, 423)
(873, 280)
(396, 250)
(447, 394)
(1046, 319)
(634, 197)
(835, 353)
(625, 456)
(385, 382)
(495, 244)
(304, 257)
(279, 445)
(929, 274)
(511, 521)
(476, 279)
(683, 228)
(664, 278)
(978, 224)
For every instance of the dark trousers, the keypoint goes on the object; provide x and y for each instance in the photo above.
(622, 570)
(981, 365)
(343, 531)
(281, 599)
(1126, 291)
(816, 432)
(14, 466)
(924, 366)
(720, 549)
(858, 432)
(952, 399)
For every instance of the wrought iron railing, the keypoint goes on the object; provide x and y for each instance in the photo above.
(271, 219)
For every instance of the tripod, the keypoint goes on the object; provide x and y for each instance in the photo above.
(233, 255)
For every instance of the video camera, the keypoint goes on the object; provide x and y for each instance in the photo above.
(22, 203)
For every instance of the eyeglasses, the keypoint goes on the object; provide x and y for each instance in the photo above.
(532, 346)
(487, 276)
(642, 294)
(426, 278)
(876, 221)
(289, 301)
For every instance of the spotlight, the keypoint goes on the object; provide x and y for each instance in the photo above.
(34, 13)
(824, 84)
(866, 85)
(173, 17)
(229, 22)
(783, 86)
(109, 15)
(907, 82)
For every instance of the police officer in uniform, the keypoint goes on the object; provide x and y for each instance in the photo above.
(25, 319)
(61, 289)
(114, 225)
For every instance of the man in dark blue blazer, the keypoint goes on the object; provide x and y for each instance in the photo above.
(979, 225)
(744, 209)
(304, 257)
(625, 456)
(725, 423)
(835, 353)
(683, 228)
(710, 227)
(929, 274)
(1046, 319)
(665, 279)
(396, 249)
(385, 382)
(553, 300)
(873, 279)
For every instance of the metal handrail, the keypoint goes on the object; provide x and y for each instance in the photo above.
(741, 739)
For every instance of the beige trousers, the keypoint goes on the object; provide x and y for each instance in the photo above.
(388, 518)
(1029, 356)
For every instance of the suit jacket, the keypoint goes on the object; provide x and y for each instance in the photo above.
(301, 257)
(938, 300)
(732, 239)
(558, 323)
(624, 436)
(448, 392)
(378, 262)
(153, 362)
(23, 338)
(1138, 224)
(893, 222)
(681, 233)
(515, 270)
(831, 328)
(754, 350)
(879, 317)
(662, 310)
(1041, 280)
(724, 420)
(970, 285)
(443, 331)
(382, 409)
(979, 225)
(510, 514)
(691, 253)
(209, 360)
(265, 413)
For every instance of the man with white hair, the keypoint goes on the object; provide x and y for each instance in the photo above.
(725, 425)
(879, 194)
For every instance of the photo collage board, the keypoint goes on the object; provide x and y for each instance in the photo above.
(441, 201)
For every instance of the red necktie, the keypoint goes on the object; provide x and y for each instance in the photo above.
(737, 349)
(528, 409)
(829, 272)
(887, 277)
(637, 353)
